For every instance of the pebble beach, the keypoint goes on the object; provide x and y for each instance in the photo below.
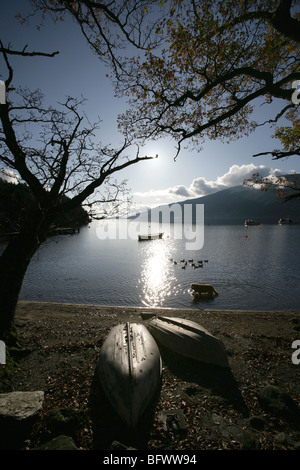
(219, 409)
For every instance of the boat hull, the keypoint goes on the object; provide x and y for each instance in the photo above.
(155, 236)
(129, 369)
(188, 339)
(250, 222)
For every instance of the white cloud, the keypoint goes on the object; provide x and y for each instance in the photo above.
(237, 174)
(201, 186)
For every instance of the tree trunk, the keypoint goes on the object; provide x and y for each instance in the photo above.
(13, 265)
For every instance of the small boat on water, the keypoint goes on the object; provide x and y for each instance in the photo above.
(129, 369)
(249, 222)
(189, 339)
(151, 236)
(285, 221)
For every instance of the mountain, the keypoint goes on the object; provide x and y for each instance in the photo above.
(236, 204)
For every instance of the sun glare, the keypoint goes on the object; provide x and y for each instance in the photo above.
(155, 274)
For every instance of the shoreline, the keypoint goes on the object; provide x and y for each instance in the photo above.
(23, 303)
(64, 342)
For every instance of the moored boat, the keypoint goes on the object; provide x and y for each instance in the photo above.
(285, 221)
(189, 339)
(129, 370)
(249, 222)
(154, 236)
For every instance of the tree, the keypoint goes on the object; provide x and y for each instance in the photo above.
(289, 137)
(55, 153)
(218, 61)
(286, 186)
(202, 67)
(109, 26)
(16, 203)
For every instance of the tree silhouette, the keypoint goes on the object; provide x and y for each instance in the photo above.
(54, 151)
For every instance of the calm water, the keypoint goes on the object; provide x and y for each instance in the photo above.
(254, 268)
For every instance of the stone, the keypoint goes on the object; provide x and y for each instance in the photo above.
(18, 413)
(116, 445)
(257, 422)
(277, 401)
(233, 432)
(66, 421)
(173, 420)
(59, 443)
(203, 289)
(284, 439)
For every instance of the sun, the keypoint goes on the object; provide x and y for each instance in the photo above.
(154, 155)
(150, 151)
(156, 160)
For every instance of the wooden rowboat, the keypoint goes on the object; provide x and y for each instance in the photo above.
(129, 369)
(189, 339)
(153, 236)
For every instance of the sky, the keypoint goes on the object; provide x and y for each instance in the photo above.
(77, 71)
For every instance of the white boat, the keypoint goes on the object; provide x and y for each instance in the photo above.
(189, 339)
(129, 369)
(251, 222)
(153, 236)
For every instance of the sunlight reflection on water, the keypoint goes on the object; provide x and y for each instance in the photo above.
(156, 275)
(255, 268)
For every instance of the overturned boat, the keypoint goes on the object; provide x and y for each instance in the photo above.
(129, 369)
(189, 339)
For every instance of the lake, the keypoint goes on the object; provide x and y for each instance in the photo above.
(251, 268)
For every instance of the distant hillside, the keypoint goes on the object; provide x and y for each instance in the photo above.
(234, 205)
(16, 202)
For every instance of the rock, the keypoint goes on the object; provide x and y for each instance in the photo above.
(116, 445)
(203, 289)
(59, 443)
(18, 413)
(66, 421)
(233, 432)
(173, 421)
(284, 439)
(277, 401)
(257, 422)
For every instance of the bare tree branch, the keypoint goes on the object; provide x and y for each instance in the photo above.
(24, 53)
